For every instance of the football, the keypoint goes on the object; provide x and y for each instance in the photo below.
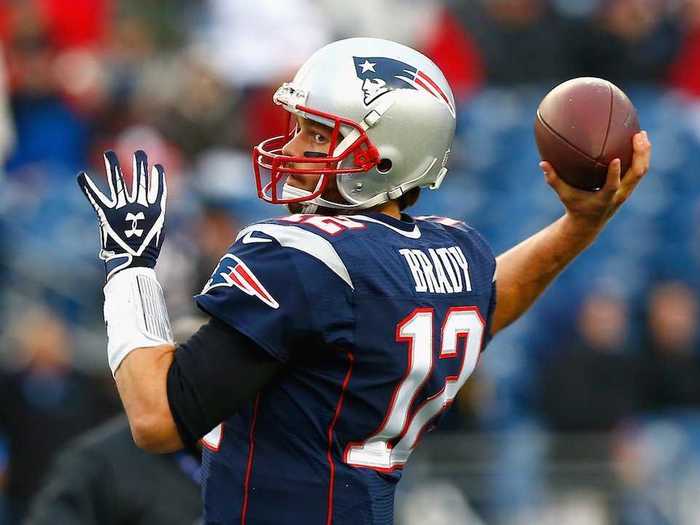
(581, 126)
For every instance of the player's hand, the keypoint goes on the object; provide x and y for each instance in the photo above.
(593, 209)
(131, 223)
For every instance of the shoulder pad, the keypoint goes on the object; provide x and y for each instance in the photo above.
(290, 235)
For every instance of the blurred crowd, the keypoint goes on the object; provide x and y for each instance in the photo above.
(613, 342)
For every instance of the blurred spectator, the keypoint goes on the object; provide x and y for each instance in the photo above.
(230, 60)
(520, 41)
(159, 151)
(68, 23)
(253, 48)
(49, 133)
(427, 25)
(142, 21)
(593, 382)
(398, 20)
(673, 363)
(103, 478)
(136, 78)
(203, 111)
(449, 45)
(626, 41)
(45, 402)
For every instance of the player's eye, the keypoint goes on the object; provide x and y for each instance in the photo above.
(319, 138)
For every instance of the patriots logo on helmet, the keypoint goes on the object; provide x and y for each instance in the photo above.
(232, 271)
(380, 75)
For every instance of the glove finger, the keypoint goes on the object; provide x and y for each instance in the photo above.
(93, 194)
(115, 179)
(140, 182)
(157, 190)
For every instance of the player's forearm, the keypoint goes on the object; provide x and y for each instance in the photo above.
(139, 337)
(524, 271)
(142, 383)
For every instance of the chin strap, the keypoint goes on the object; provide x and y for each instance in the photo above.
(312, 206)
(291, 192)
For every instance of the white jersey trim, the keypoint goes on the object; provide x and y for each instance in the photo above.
(302, 240)
(413, 234)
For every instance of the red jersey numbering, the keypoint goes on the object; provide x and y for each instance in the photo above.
(330, 225)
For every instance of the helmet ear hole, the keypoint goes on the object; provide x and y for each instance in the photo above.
(384, 166)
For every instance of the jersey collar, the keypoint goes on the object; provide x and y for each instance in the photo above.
(406, 226)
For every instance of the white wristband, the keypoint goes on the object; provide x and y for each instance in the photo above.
(135, 314)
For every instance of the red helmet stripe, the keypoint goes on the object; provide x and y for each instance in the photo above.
(433, 84)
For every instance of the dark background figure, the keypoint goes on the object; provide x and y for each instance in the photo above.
(673, 363)
(626, 41)
(103, 478)
(593, 382)
(520, 41)
(45, 403)
(592, 386)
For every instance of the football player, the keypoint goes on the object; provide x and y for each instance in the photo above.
(340, 334)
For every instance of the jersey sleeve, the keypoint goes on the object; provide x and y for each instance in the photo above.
(282, 286)
(484, 269)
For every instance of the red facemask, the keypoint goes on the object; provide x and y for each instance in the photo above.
(272, 167)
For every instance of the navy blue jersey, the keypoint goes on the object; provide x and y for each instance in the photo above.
(380, 322)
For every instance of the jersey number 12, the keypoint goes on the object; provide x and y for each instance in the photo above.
(390, 447)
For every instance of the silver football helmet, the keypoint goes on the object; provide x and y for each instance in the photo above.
(393, 119)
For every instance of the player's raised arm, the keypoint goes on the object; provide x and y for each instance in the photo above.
(172, 396)
(139, 338)
(524, 271)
